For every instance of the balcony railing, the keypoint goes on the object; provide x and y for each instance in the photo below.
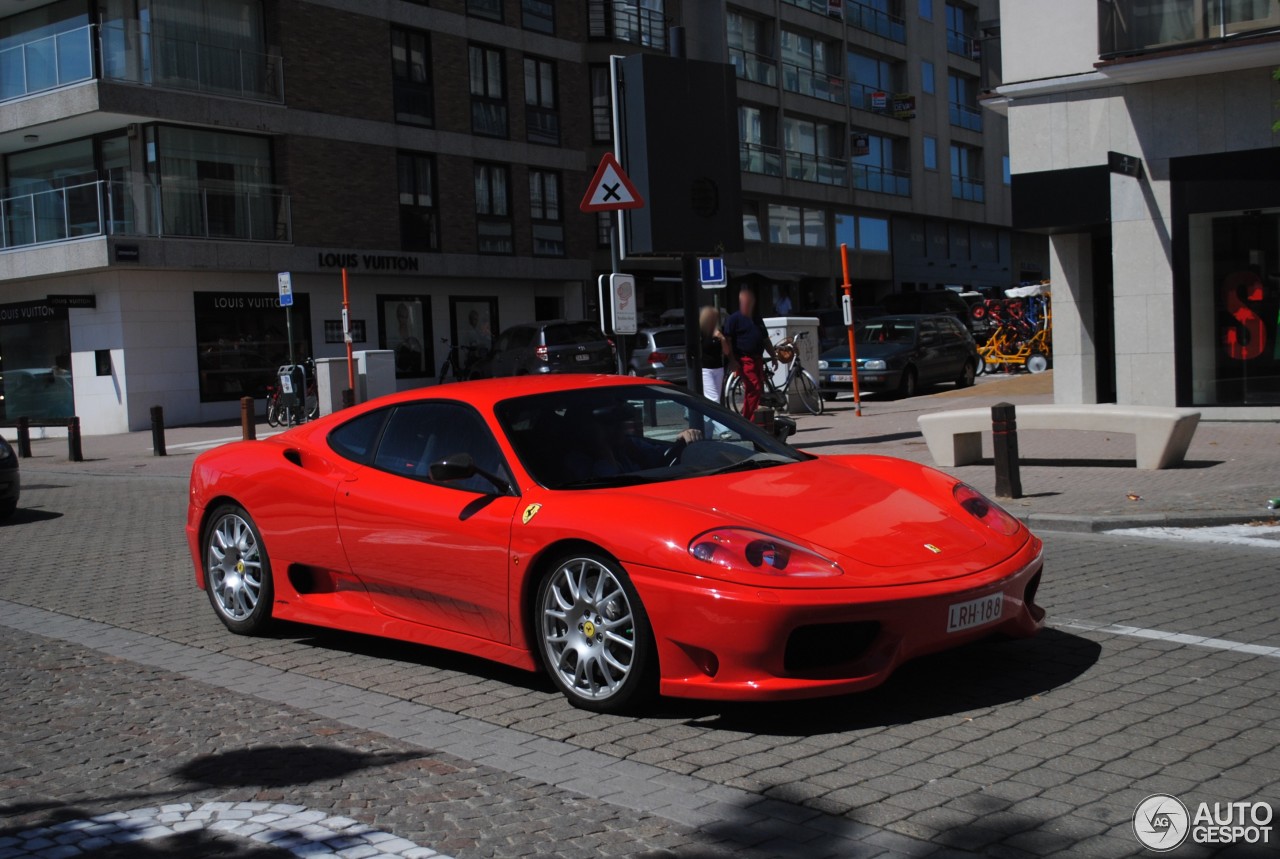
(812, 83)
(861, 98)
(48, 63)
(884, 180)
(488, 117)
(968, 189)
(133, 56)
(759, 159)
(966, 116)
(754, 67)
(816, 168)
(961, 44)
(256, 213)
(625, 21)
(542, 125)
(890, 26)
(1139, 26)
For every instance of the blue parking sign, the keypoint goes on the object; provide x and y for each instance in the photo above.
(711, 272)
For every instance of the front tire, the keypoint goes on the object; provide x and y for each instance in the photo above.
(237, 572)
(1037, 364)
(594, 635)
(968, 375)
(807, 388)
(909, 386)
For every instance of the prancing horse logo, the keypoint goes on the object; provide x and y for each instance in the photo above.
(933, 548)
(530, 512)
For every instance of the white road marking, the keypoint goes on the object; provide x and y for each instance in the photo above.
(213, 442)
(1172, 637)
(1264, 536)
(295, 828)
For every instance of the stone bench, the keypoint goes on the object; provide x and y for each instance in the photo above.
(1162, 434)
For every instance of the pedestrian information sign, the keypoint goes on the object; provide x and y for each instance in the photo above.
(284, 281)
(711, 272)
(611, 189)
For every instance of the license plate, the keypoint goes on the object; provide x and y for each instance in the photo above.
(583, 357)
(967, 615)
(841, 377)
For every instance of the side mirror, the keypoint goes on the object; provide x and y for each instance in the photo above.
(783, 428)
(459, 466)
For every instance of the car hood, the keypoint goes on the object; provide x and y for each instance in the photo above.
(866, 350)
(894, 522)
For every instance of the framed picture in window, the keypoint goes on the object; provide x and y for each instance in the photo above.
(473, 325)
(404, 327)
(333, 331)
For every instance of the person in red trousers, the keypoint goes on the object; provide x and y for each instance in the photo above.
(747, 342)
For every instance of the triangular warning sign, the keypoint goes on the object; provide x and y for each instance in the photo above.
(610, 189)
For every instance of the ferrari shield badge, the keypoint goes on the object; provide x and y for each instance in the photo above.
(929, 546)
(530, 512)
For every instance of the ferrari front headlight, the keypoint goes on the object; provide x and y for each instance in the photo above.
(985, 510)
(748, 551)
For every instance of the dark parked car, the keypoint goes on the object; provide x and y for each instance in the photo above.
(660, 353)
(10, 485)
(552, 346)
(944, 301)
(901, 354)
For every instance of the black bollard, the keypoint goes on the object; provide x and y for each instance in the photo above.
(1004, 437)
(24, 438)
(248, 428)
(348, 398)
(157, 431)
(74, 451)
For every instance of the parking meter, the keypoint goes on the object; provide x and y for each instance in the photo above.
(293, 385)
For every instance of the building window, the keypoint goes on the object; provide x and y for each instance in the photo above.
(966, 173)
(542, 115)
(926, 9)
(488, 9)
(882, 164)
(538, 15)
(810, 66)
(926, 77)
(813, 152)
(404, 327)
(815, 227)
(488, 91)
(416, 176)
(960, 28)
(35, 353)
(930, 153)
(411, 77)
(604, 229)
(494, 233)
(793, 225)
(870, 74)
(601, 105)
(240, 341)
(873, 234)
(545, 212)
(639, 22)
(962, 91)
(757, 136)
(749, 48)
(1007, 174)
(751, 221)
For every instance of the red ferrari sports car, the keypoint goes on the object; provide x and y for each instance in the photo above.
(618, 533)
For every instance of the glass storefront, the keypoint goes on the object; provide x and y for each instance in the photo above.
(1235, 307)
(242, 339)
(35, 362)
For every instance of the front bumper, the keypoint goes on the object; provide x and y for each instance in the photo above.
(723, 641)
(868, 380)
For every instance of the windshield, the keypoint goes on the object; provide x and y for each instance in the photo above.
(887, 332)
(631, 435)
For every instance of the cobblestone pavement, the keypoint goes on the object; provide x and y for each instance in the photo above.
(1158, 675)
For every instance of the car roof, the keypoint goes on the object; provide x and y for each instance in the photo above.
(658, 329)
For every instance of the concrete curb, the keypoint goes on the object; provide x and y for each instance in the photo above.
(1085, 524)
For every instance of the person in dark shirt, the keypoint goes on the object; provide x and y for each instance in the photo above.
(713, 353)
(748, 343)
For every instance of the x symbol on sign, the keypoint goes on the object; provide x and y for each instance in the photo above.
(611, 192)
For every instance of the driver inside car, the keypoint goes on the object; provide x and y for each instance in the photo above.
(613, 444)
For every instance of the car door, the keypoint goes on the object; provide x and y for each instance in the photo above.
(432, 553)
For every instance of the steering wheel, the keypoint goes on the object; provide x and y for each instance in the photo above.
(673, 454)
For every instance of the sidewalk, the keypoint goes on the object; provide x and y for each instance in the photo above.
(1072, 480)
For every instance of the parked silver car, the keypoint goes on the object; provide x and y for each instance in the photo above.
(659, 353)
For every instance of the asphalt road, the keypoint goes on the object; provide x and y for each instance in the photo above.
(1160, 674)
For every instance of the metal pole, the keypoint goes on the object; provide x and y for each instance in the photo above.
(288, 324)
(692, 336)
(853, 345)
(1004, 438)
(157, 431)
(24, 438)
(346, 335)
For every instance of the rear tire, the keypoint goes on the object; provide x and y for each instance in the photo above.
(1037, 364)
(733, 393)
(807, 388)
(968, 375)
(593, 634)
(237, 571)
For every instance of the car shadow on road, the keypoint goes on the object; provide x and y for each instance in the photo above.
(281, 766)
(26, 515)
(980, 675)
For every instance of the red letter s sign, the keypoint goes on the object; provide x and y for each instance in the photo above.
(1248, 339)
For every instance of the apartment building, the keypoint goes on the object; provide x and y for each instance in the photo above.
(164, 160)
(1142, 145)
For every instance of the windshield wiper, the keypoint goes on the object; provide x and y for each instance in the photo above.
(767, 460)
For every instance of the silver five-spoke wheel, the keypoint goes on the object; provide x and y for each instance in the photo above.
(237, 575)
(592, 637)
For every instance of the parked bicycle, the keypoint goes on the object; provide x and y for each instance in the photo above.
(282, 409)
(461, 364)
(799, 382)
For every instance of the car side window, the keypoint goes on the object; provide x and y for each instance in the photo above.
(355, 439)
(420, 434)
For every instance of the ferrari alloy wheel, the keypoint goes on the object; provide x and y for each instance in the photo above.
(594, 633)
(237, 572)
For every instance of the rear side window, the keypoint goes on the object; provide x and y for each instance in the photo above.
(668, 339)
(572, 334)
(356, 439)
